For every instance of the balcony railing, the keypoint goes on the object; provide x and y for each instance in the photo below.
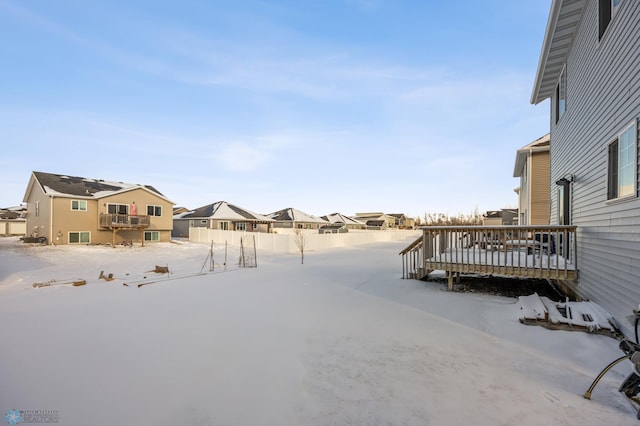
(520, 251)
(119, 221)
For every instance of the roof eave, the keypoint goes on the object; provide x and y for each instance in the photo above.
(544, 53)
(564, 18)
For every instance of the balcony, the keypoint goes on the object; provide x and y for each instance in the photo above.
(124, 221)
(516, 251)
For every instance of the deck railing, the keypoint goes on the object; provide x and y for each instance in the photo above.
(120, 221)
(520, 251)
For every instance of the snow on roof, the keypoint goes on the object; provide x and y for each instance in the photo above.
(221, 210)
(63, 185)
(340, 218)
(294, 215)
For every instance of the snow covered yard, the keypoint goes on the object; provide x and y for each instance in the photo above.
(340, 340)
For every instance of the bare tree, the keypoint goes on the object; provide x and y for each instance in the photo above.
(300, 242)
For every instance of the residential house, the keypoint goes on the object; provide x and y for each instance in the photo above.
(76, 210)
(291, 218)
(220, 215)
(402, 221)
(12, 221)
(588, 71)
(346, 221)
(179, 210)
(500, 217)
(532, 167)
(376, 220)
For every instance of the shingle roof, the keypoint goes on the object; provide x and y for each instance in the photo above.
(53, 184)
(340, 218)
(222, 210)
(294, 215)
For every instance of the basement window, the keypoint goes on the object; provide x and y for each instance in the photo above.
(83, 237)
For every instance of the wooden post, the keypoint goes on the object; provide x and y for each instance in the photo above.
(142, 236)
(450, 280)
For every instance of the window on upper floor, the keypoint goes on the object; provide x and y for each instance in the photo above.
(154, 210)
(606, 11)
(622, 163)
(561, 94)
(79, 205)
(118, 209)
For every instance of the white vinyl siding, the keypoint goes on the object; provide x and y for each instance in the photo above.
(604, 83)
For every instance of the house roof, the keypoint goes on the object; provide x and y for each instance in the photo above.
(539, 145)
(222, 210)
(293, 215)
(340, 218)
(75, 186)
(564, 18)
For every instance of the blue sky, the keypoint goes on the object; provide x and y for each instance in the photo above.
(321, 105)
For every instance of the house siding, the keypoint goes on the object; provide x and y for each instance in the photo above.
(539, 195)
(603, 83)
(56, 219)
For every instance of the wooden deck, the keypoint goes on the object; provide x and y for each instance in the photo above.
(513, 251)
(124, 222)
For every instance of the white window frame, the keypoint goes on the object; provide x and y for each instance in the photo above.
(81, 234)
(223, 225)
(241, 226)
(154, 210)
(561, 101)
(627, 161)
(81, 205)
(149, 236)
(117, 207)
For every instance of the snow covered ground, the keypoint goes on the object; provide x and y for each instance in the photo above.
(340, 340)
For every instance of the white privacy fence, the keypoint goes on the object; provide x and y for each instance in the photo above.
(285, 240)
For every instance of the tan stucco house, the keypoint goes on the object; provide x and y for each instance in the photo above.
(76, 210)
(532, 166)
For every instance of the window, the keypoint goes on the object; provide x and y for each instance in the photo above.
(79, 205)
(154, 210)
(151, 236)
(561, 95)
(118, 208)
(223, 225)
(37, 208)
(79, 237)
(564, 205)
(241, 226)
(255, 226)
(606, 11)
(621, 174)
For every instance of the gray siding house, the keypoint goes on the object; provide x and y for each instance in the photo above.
(220, 215)
(588, 69)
